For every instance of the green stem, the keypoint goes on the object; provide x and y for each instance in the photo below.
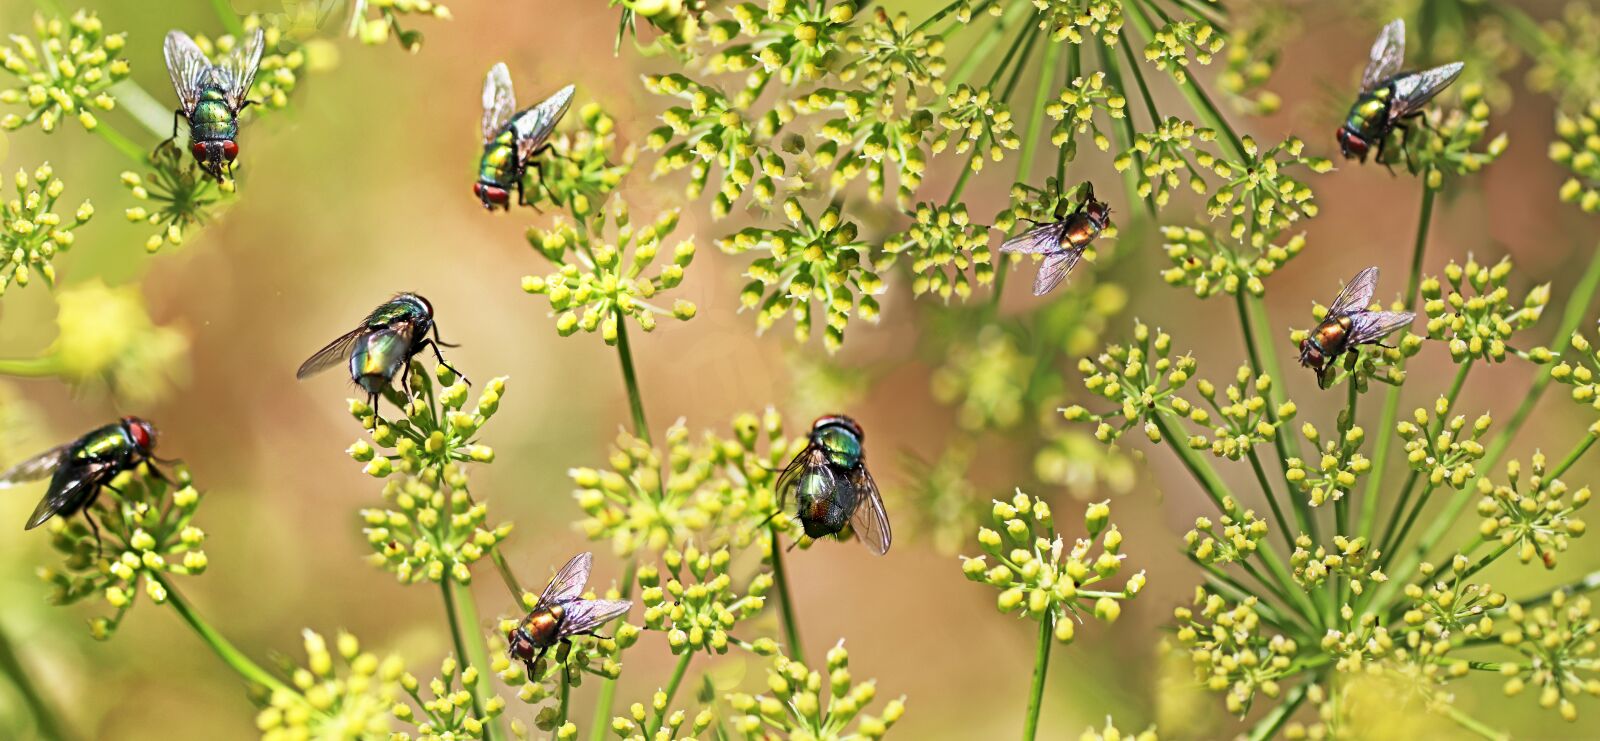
(44, 367)
(1272, 499)
(1198, 100)
(1414, 281)
(780, 579)
(1589, 583)
(1369, 497)
(456, 607)
(1470, 723)
(932, 19)
(44, 716)
(121, 143)
(1257, 343)
(230, 19)
(1270, 723)
(562, 709)
(1577, 452)
(231, 656)
(672, 689)
(1041, 667)
(608, 688)
(507, 576)
(1394, 539)
(641, 429)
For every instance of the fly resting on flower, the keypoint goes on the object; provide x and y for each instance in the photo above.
(1063, 241)
(560, 614)
(1348, 324)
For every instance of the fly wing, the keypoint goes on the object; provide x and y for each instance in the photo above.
(1387, 55)
(187, 66)
(499, 100)
(72, 493)
(1357, 294)
(239, 70)
(35, 468)
(333, 354)
(1371, 326)
(568, 582)
(811, 460)
(1054, 269)
(535, 124)
(1413, 91)
(1040, 240)
(583, 616)
(869, 521)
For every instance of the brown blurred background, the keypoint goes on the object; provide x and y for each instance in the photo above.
(364, 189)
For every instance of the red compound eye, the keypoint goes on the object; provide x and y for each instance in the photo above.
(199, 149)
(230, 150)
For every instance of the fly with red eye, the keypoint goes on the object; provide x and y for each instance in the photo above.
(79, 470)
(211, 96)
(512, 139)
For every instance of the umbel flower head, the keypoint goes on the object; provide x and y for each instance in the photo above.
(1559, 651)
(586, 167)
(1259, 194)
(179, 196)
(64, 71)
(1471, 309)
(432, 528)
(819, 260)
(376, 21)
(1142, 380)
(598, 283)
(1074, 112)
(105, 335)
(1179, 42)
(794, 42)
(1580, 369)
(690, 597)
(716, 132)
(975, 118)
(1445, 144)
(635, 504)
(1068, 20)
(742, 494)
(1210, 264)
(1232, 649)
(805, 703)
(33, 233)
(146, 536)
(345, 693)
(943, 245)
(1537, 517)
(447, 713)
(1578, 150)
(1039, 578)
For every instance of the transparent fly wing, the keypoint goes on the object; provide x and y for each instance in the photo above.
(568, 582)
(869, 521)
(1040, 240)
(35, 468)
(499, 100)
(187, 66)
(1054, 269)
(1371, 326)
(812, 460)
(333, 354)
(535, 124)
(1387, 55)
(583, 616)
(238, 71)
(1413, 91)
(1357, 294)
(72, 493)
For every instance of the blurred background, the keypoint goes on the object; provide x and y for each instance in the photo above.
(363, 189)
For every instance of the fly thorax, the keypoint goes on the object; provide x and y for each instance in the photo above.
(842, 448)
(543, 626)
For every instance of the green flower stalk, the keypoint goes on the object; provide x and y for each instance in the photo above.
(943, 245)
(598, 284)
(433, 529)
(146, 534)
(374, 22)
(33, 233)
(1578, 150)
(345, 693)
(1074, 112)
(448, 712)
(819, 260)
(806, 703)
(65, 71)
(179, 197)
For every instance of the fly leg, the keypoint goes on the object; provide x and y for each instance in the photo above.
(439, 356)
(99, 549)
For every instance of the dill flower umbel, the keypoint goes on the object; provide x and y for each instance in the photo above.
(66, 70)
(33, 233)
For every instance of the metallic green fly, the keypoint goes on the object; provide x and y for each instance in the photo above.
(211, 97)
(832, 487)
(383, 346)
(1388, 96)
(512, 138)
(80, 469)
